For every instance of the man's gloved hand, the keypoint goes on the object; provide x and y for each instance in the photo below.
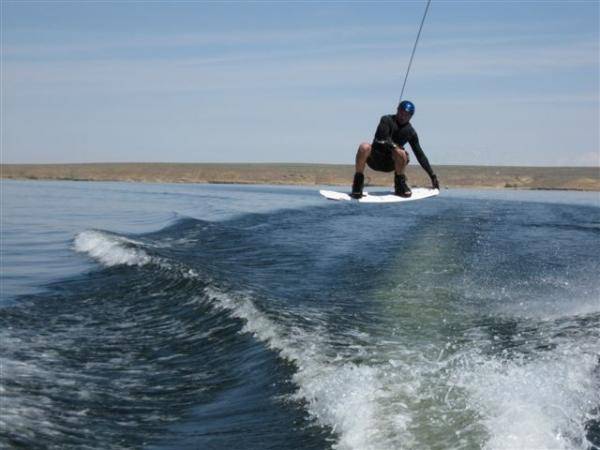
(388, 144)
(434, 181)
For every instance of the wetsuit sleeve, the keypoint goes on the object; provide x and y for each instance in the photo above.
(418, 151)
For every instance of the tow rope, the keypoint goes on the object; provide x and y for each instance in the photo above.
(414, 48)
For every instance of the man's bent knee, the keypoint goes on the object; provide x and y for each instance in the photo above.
(399, 154)
(364, 148)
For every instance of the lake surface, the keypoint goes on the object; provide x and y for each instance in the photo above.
(261, 317)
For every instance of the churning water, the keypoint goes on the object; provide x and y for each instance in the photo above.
(253, 317)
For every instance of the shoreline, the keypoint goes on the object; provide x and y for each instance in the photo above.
(305, 174)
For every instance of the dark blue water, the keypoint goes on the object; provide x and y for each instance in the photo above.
(237, 317)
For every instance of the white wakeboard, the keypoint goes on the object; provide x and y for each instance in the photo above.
(381, 197)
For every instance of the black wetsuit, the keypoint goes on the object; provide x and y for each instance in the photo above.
(388, 133)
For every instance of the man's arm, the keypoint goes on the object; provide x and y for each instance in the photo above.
(420, 154)
(383, 135)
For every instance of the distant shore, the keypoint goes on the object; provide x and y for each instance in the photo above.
(564, 178)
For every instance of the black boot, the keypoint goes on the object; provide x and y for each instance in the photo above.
(357, 185)
(400, 187)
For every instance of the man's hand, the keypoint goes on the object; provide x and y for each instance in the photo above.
(434, 181)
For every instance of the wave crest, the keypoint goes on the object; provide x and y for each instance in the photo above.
(109, 249)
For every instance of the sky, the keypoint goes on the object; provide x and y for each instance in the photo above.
(494, 82)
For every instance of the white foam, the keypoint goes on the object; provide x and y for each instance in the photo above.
(109, 249)
(345, 396)
(537, 403)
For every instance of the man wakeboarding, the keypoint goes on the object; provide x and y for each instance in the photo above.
(387, 153)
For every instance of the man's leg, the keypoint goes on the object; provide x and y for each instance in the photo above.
(400, 157)
(362, 154)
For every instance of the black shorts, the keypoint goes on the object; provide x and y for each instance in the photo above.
(380, 159)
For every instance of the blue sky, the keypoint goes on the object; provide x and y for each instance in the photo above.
(494, 82)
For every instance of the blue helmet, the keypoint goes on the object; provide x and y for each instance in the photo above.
(407, 106)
